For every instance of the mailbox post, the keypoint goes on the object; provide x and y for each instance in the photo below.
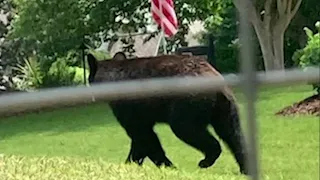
(206, 51)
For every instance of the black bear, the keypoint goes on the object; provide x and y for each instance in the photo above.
(188, 116)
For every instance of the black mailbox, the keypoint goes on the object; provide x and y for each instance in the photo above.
(207, 51)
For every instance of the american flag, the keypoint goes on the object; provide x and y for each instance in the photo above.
(167, 16)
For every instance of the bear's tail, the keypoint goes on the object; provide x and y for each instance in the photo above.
(227, 125)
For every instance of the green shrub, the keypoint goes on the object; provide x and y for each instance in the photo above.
(34, 74)
(59, 74)
(310, 54)
(78, 78)
(29, 75)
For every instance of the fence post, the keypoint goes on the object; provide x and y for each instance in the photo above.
(249, 85)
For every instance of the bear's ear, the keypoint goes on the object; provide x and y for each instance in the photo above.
(119, 56)
(93, 67)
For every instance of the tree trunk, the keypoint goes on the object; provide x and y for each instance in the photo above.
(271, 44)
(265, 42)
(278, 40)
(270, 30)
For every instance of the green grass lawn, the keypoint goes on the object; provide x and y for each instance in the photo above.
(87, 143)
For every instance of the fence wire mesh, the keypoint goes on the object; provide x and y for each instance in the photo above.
(248, 79)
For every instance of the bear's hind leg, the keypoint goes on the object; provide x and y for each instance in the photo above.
(227, 126)
(200, 139)
(188, 122)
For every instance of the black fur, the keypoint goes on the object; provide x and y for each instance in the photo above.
(188, 117)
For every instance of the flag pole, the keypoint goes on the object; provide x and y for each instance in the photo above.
(164, 43)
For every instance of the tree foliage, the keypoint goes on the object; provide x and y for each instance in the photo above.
(57, 26)
(223, 26)
(53, 31)
(52, 26)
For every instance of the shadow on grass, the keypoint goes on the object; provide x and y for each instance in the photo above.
(58, 121)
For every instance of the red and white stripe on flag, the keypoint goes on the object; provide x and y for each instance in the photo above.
(169, 20)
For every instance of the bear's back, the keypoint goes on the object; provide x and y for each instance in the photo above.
(153, 67)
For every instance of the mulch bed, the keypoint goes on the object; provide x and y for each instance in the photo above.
(308, 106)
